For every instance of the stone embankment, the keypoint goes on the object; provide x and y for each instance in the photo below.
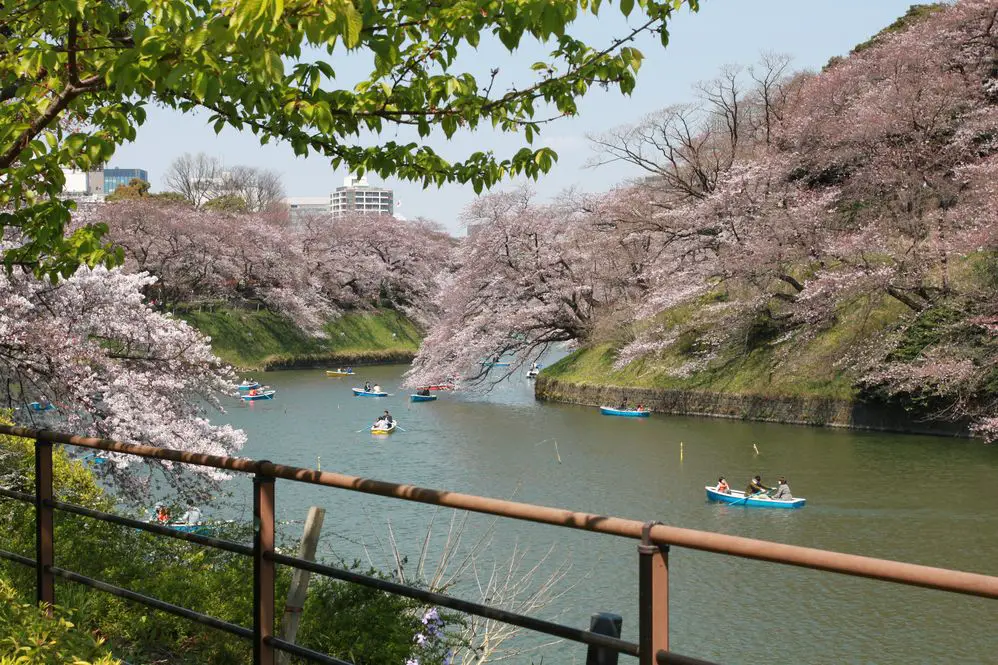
(821, 412)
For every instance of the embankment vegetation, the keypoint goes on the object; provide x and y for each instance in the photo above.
(826, 234)
(250, 339)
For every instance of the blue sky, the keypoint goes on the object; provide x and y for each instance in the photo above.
(723, 32)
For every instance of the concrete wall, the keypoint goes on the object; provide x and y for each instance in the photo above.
(798, 411)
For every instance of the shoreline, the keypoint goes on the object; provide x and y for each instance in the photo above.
(813, 412)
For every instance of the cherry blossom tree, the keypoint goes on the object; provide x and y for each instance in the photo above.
(113, 367)
(527, 276)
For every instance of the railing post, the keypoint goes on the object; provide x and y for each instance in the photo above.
(653, 597)
(44, 541)
(263, 569)
(604, 623)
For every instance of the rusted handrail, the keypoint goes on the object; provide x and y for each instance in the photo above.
(974, 584)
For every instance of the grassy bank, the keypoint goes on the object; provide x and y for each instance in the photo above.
(798, 367)
(265, 340)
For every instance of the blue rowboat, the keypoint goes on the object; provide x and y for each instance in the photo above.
(736, 498)
(360, 392)
(36, 406)
(201, 529)
(627, 413)
(422, 398)
(266, 394)
(244, 386)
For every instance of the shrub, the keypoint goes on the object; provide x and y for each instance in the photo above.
(29, 637)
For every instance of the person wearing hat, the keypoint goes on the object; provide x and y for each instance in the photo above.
(755, 486)
(783, 490)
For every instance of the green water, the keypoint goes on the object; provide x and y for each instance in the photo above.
(913, 498)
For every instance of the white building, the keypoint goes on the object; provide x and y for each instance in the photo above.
(83, 185)
(301, 206)
(356, 196)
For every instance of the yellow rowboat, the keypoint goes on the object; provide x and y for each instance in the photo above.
(339, 372)
(383, 430)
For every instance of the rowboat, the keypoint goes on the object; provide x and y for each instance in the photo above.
(264, 394)
(248, 385)
(627, 413)
(442, 386)
(736, 498)
(339, 372)
(491, 363)
(201, 529)
(376, 429)
(532, 373)
(422, 398)
(37, 406)
(360, 392)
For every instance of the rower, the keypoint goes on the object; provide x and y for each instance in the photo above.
(755, 486)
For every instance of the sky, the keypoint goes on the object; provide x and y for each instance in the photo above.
(722, 32)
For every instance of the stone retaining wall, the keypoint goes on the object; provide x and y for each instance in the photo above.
(797, 411)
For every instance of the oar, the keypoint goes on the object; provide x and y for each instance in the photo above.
(401, 428)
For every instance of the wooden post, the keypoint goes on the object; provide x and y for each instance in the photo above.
(653, 597)
(298, 590)
(263, 569)
(44, 541)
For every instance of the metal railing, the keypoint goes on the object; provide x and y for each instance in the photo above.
(654, 539)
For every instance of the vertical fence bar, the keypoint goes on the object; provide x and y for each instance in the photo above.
(263, 569)
(653, 597)
(44, 541)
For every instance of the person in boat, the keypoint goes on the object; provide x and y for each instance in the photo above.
(192, 516)
(349, 370)
(534, 366)
(783, 490)
(162, 514)
(387, 417)
(723, 486)
(623, 405)
(640, 407)
(376, 388)
(367, 386)
(43, 402)
(755, 486)
(425, 392)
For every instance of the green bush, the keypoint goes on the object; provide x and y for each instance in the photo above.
(29, 637)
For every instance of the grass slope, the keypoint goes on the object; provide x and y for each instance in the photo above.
(796, 367)
(261, 340)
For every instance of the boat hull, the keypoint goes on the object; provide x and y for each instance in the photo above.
(736, 498)
(331, 372)
(626, 413)
(254, 398)
(358, 392)
(36, 406)
(422, 398)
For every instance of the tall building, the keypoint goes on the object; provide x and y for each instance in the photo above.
(358, 197)
(115, 178)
